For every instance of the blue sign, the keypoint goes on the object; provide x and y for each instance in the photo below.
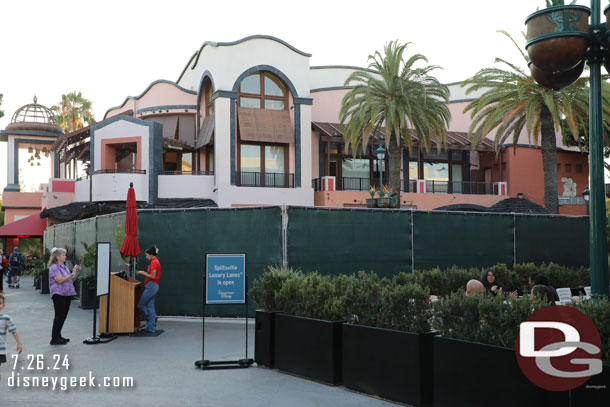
(225, 278)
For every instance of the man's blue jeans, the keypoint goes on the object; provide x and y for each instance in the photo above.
(147, 305)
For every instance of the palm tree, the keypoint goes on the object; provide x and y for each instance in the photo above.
(406, 100)
(1, 112)
(73, 111)
(512, 100)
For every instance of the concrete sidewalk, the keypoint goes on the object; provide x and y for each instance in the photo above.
(161, 367)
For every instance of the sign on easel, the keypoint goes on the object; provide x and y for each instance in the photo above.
(225, 278)
(225, 282)
(102, 278)
(103, 268)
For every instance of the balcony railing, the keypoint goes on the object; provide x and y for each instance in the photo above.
(187, 172)
(459, 187)
(269, 179)
(433, 187)
(116, 171)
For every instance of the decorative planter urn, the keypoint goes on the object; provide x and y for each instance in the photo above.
(371, 202)
(558, 37)
(556, 80)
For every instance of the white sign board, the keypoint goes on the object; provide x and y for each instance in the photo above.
(102, 267)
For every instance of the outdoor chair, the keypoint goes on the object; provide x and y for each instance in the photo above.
(565, 295)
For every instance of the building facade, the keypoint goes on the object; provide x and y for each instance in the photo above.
(251, 122)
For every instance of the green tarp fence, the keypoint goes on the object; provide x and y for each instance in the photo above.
(334, 241)
(331, 241)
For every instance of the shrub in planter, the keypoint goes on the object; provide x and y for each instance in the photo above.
(308, 342)
(362, 299)
(392, 363)
(263, 292)
(599, 312)
(310, 295)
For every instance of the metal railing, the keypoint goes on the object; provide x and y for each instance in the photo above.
(187, 173)
(432, 187)
(117, 171)
(269, 179)
(459, 187)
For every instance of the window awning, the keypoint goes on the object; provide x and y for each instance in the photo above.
(265, 125)
(32, 226)
(186, 129)
(206, 132)
(169, 123)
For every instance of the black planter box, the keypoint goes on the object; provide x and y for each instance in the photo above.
(474, 374)
(391, 364)
(264, 336)
(88, 297)
(595, 392)
(308, 347)
(44, 282)
(37, 283)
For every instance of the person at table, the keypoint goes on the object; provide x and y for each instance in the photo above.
(542, 293)
(490, 283)
(474, 287)
(146, 305)
(542, 279)
(61, 288)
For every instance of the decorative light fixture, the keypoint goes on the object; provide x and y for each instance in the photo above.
(380, 156)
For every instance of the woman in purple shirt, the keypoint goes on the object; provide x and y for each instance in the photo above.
(61, 287)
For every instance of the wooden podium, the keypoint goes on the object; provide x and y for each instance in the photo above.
(124, 313)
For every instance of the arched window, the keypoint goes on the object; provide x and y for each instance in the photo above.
(263, 90)
(207, 153)
(263, 154)
(208, 90)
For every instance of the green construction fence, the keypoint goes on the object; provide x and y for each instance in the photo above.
(331, 241)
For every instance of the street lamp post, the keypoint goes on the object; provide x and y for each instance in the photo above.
(585, 195)
(380, 156)
(557, 59)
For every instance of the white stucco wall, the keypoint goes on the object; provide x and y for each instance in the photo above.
(228, 196)
(222, 141)
(186, 186)
(306, 158)
(227, 62)
(114, 187)
(81, 191)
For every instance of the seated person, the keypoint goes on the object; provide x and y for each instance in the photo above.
(490, 283)
(542, 279)
(542, 292)
(474, 287)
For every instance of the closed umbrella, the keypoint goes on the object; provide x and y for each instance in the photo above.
(130, 247)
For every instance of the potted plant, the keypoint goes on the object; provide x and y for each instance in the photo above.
(387, 343)
(36, 272)
(263, 291)
(308, 332)
(384, 199)
(558, 36)
(87, 282)
(372, 201)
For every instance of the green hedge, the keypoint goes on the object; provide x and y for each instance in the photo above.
(403, 301)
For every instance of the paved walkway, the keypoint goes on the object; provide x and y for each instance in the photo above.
(161, 367)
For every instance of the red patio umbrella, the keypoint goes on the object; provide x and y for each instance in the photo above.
(130, 247)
